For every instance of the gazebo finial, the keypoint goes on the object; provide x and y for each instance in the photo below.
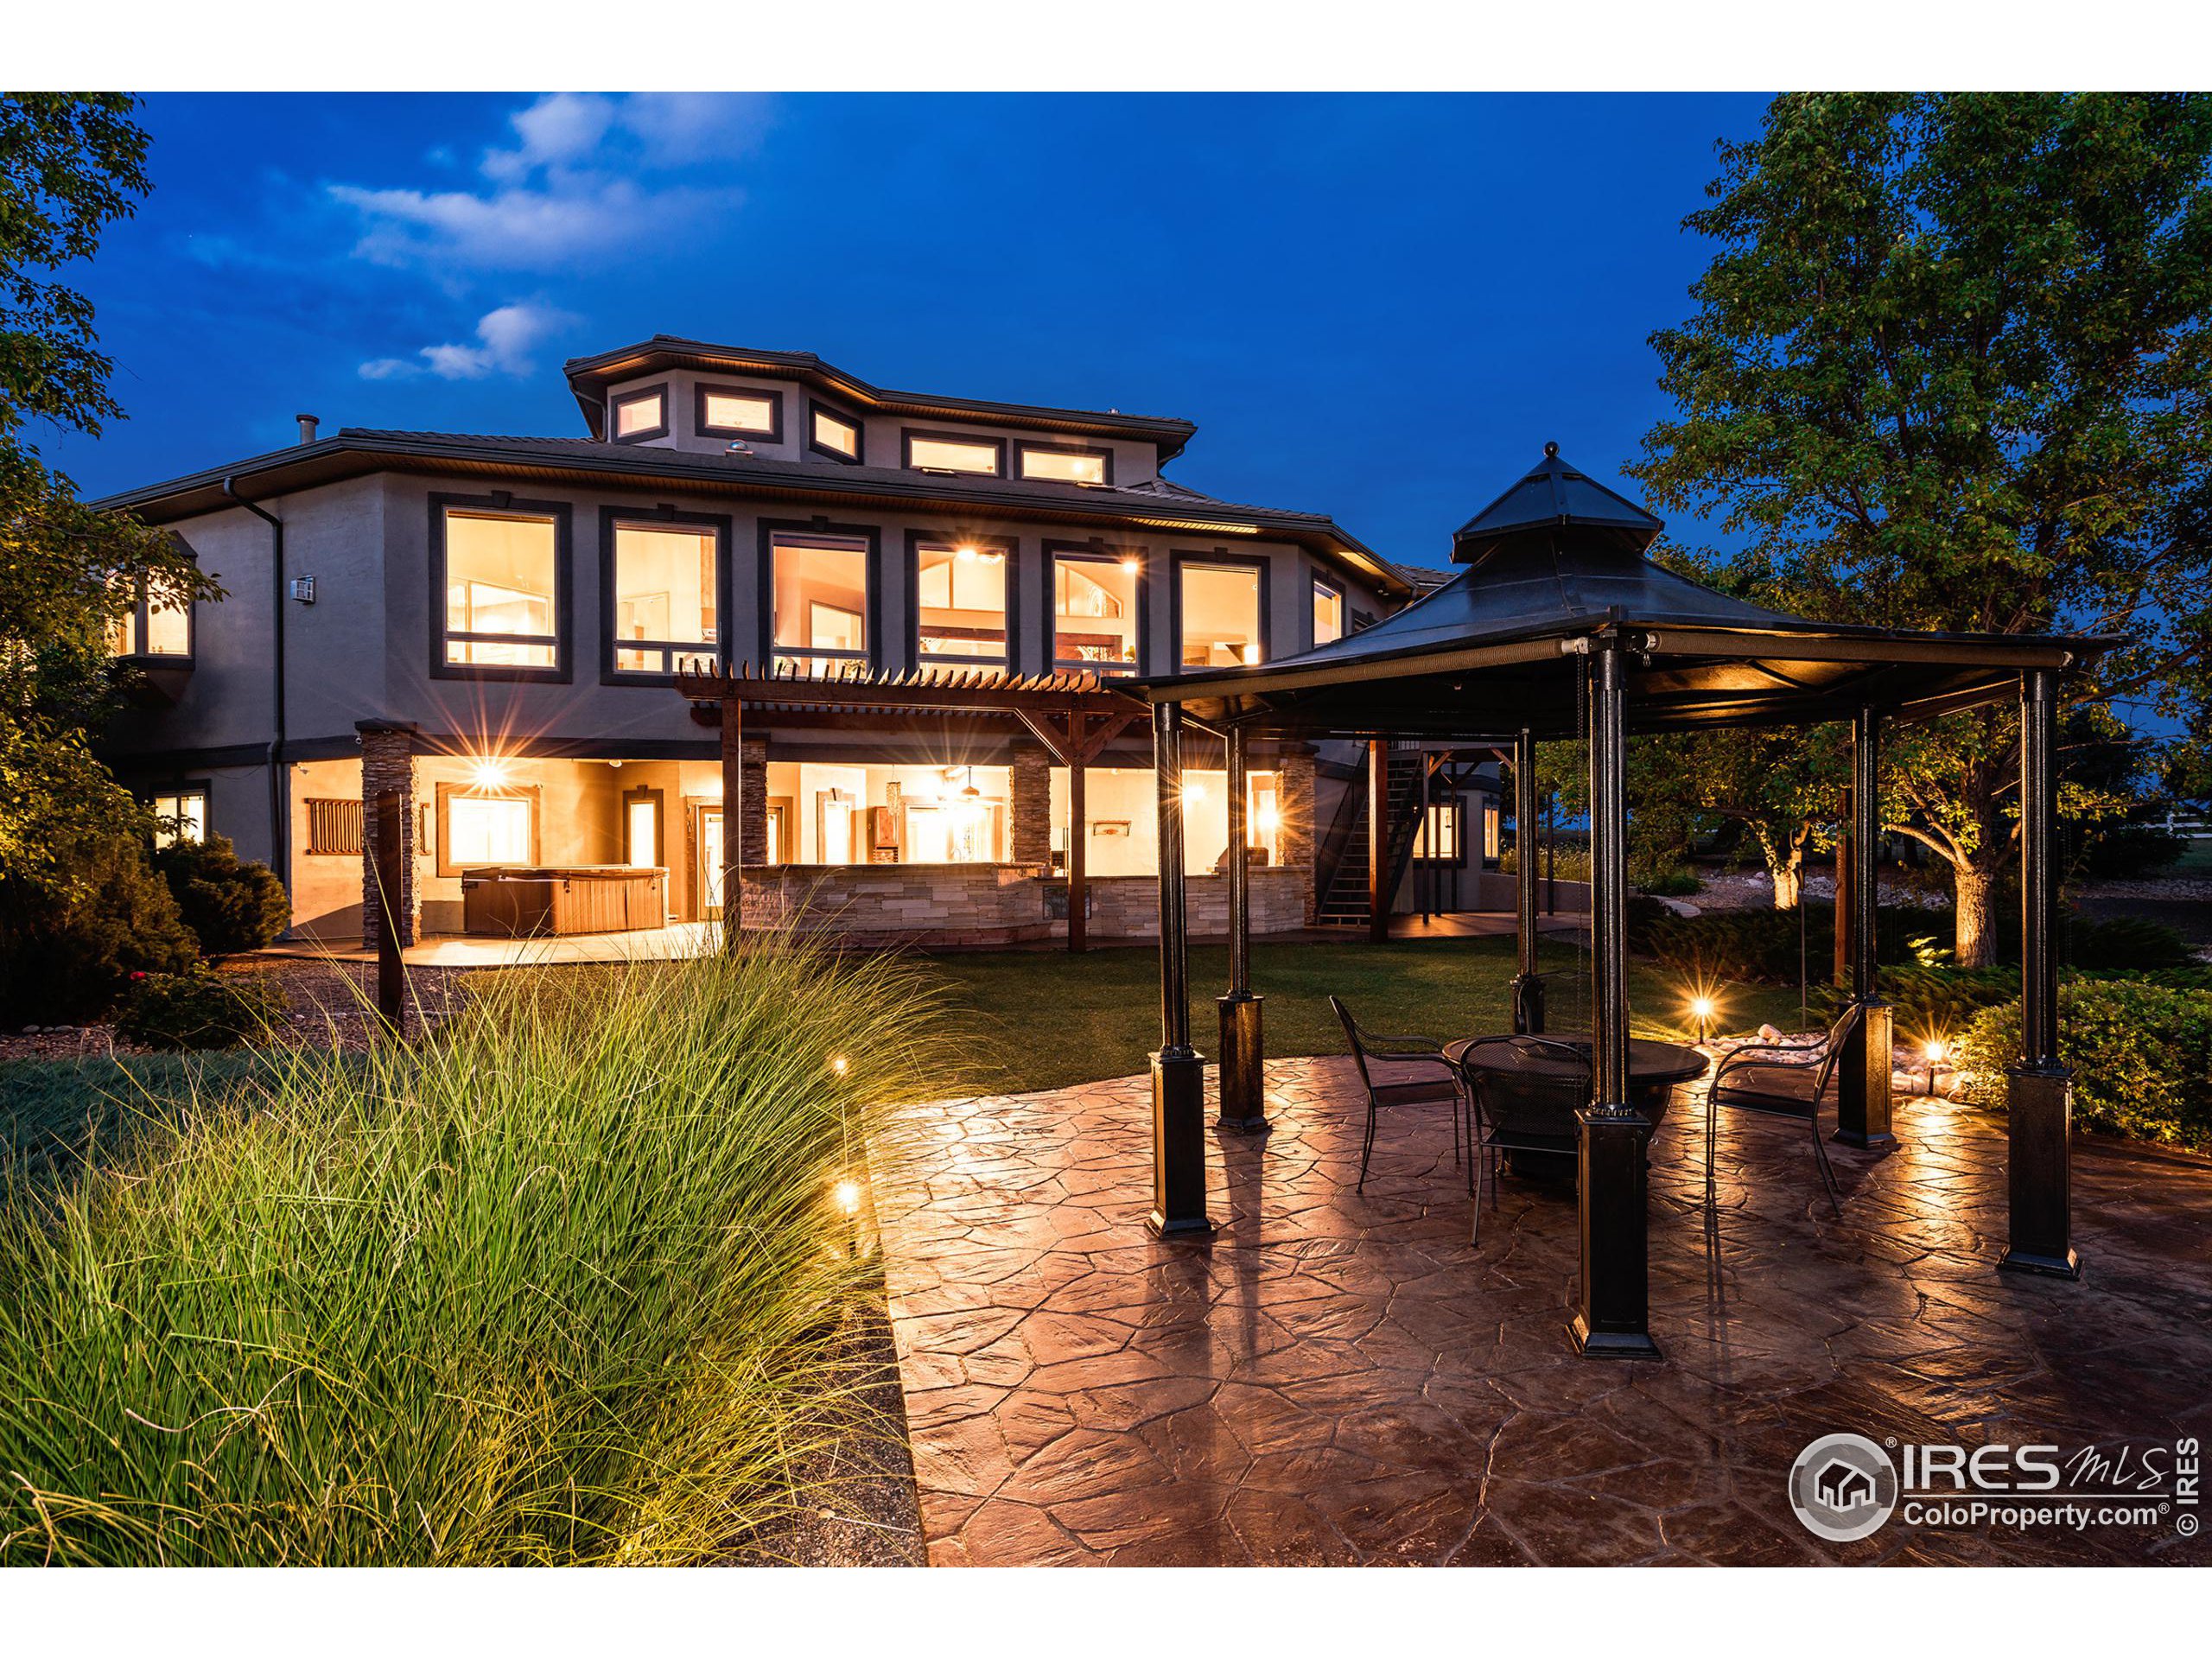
(1551, 449)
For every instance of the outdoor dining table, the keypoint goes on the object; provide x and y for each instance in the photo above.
(1653, 1069)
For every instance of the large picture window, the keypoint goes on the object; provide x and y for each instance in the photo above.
(1095, 611)
(960, 603)
(819, 602)
(662, 600)
(484, 826)
(1220, 607)
(502, 578)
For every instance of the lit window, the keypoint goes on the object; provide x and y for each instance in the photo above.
(1221, 615)
(1493, 832)
(180, 815)
(1328, 614)
(1094, 612)
(1438, 839)
(663, 599)
(642, 415)
(954, 455)
(1263, 818)
(152, 628)
(1066, 466)
(821, 604)
(960, 603)
(747, 414)
(501, 581)
(483, 830)
(839, 437)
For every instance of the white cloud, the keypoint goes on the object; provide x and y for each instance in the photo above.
(505, 339)
(559, 128)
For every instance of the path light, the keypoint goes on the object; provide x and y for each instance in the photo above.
(1702, 1010)
(1934, 1051)
(840, 1065)
(847, 1193)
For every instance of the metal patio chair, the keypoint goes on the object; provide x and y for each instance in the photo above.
(1439, 1083)
(1781, 1080)
(1532, 1111)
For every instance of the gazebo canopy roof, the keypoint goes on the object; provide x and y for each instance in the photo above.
(1557, 561)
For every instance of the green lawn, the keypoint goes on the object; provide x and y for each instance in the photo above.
(1047, 1019)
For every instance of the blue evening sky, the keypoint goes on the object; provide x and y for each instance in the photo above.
(1374, 306)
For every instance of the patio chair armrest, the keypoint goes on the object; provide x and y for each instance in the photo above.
(1767, 1054)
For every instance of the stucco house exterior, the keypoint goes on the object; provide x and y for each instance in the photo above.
(495, 627)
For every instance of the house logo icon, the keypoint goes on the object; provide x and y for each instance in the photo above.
(1843, 1487)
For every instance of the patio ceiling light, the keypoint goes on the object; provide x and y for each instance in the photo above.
(489, 773)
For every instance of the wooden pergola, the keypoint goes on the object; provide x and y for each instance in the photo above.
(1561, 627)
(1073, 715)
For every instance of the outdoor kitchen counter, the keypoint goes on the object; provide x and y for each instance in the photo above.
(513, 901)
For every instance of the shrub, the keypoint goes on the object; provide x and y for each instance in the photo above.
(564, 1284)
(2141, 1053)
(1928, 1002)
(67, 958)
(230, 905)
(2123, 944)
(199, 1010)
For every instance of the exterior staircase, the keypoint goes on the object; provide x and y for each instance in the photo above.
(1340, 873)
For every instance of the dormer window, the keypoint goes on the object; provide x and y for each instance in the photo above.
(1062, 463)
(944, 452)
(740, 412)
(832, 435)
(641, 415)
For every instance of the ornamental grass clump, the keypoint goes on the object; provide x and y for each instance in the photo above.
(564, 1283)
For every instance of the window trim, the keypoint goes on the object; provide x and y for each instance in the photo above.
(534, 793)
(617, 403)
(701, 391)
(610, 519)
(501, 504)
(1222, 559)
(769, 530)
(1010, 547)
(974, 440)
(815, 409)
(200, 786)
(1323, 584)
(1024, 448)
(1098, 552)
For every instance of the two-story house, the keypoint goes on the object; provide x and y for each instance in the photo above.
(495, 626)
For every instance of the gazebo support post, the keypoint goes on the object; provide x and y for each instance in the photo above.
(733, 822)
(1612, 1312)
(1863, 1079)
(2039, 1090)
(1243, 1054)
(1528, 989)
(1178, 1072)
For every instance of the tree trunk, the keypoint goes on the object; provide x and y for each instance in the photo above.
(1973, 887)
(1785, 864)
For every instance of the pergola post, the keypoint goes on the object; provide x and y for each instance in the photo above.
(1378, 839)
(733, 735)
(1179, 1089)
(1863, 1078)
(1612, 1311)
(2039, 1090)
(1079, 845)
(1243, 1054)
(1527, 989)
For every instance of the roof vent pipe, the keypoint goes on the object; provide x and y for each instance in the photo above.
(307, 423)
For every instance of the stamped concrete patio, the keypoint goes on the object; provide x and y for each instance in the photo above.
(1339, 1378)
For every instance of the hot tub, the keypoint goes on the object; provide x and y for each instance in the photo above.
(511, 902)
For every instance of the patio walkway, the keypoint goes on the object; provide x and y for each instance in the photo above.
(1340, 1379)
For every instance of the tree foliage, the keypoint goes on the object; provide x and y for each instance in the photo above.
(1951, 367)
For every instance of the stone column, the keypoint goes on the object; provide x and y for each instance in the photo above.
(753, 809)
(388, 763)
(1030, 806)
(1294, 801)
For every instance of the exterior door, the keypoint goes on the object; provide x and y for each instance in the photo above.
(641, 837)
(709, 872)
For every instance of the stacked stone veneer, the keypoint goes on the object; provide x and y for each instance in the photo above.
(1030, 805)
(388, 763)
(995, 904)
(1295, 841)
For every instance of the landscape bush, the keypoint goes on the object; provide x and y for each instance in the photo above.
(565, 1283)
(199, 1008)
(229, 904)
(67, 957)
(2141, 1054)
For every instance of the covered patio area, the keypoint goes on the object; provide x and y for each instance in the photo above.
(1339, 1378)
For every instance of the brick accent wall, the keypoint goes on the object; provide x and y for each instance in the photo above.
(1030, 806)
(1294, 800)
(388, 763)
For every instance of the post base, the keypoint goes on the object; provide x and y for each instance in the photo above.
(1611, 1344)
(1178, 1145)
(1864, 1142)
(1612, 1312)
(1243, 1066)
(2067, 1266)
(2038, 1172)
(1862, 1107)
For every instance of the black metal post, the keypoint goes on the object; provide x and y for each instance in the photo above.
(1243, 1056)
(1612, 1311)
(1528, 989)
(1378, 834)
(1178, 1074)
(2039, 1090)
(1863, 1078)
(391, 887)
